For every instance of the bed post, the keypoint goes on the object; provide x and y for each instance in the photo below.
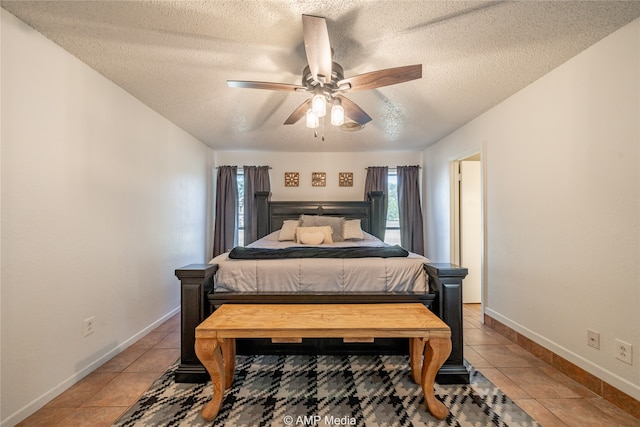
(446, 281)
(377, 214)
(262, 202)
(196, 280)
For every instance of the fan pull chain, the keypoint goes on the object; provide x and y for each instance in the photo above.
(315, 131)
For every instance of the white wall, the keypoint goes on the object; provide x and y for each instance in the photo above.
(101, 200)
(562, 196)
(306, 163)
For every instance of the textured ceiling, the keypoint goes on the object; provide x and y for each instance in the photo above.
(175, 56)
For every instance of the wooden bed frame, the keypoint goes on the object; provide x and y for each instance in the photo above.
(198, 300)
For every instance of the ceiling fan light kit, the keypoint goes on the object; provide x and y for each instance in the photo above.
(319, 104)
(337, 113)
(325, 80)
(312, 119)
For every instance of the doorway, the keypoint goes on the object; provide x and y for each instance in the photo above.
(467, 228)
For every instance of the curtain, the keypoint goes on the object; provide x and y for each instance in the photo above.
(409, 209)
(256, 178)
(377, 180)
(224, 235)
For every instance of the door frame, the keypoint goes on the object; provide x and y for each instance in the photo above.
(455, 249)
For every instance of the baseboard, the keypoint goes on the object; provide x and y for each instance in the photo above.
(49, 395)
(608, 392)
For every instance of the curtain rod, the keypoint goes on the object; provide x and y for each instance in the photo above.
(238, 166)
(392, 167)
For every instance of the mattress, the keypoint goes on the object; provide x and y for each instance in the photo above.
(319, 275)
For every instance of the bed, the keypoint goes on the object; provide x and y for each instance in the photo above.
(325, 273)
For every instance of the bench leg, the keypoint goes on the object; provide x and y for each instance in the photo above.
(229, 359)
(436, 351)
(209, 351)
(416, 349)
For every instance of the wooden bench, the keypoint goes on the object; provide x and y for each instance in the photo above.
(428, 334)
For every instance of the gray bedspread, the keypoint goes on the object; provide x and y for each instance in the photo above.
(313, 275)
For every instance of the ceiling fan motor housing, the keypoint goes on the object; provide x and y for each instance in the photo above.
(337, 74)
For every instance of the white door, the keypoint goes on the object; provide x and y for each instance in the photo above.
(471, 229)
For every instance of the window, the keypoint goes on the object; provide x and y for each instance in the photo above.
(240, 220)
(392, 232)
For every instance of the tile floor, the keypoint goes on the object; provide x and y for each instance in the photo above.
(541, 390)
(104, 395)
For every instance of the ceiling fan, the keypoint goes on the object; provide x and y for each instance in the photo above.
(325, 80)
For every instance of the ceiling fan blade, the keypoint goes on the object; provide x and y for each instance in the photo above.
(299, 112)
(264, 85)
(386, 77)
(317, 47)
(354, 112)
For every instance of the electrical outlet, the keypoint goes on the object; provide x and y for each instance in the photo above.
(87, 326)
(624, 351)
(593, 339)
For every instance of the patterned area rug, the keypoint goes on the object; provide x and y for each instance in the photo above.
(324, 390)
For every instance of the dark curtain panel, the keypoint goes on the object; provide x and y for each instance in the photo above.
(226, 209)
(409, 209)
(377, 180)
(256, 178)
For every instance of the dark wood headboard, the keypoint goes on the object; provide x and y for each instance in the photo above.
(271, 215)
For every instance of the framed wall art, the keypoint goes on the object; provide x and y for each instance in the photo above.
(318, 179)
(345, 179)
(291, 179)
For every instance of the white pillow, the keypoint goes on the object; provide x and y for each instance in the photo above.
(326, 231)
(351, 230)
(311, 237)
(288, 230)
